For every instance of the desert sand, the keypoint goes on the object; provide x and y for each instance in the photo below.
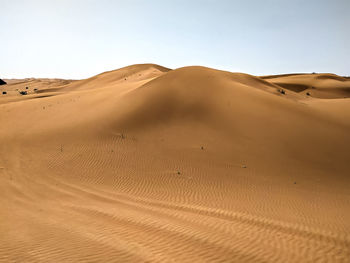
(148, 164)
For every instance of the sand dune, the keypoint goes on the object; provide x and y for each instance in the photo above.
(148, 164)
(325, 86)
(124, 75)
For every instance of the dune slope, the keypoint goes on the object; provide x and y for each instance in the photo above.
(147, 164)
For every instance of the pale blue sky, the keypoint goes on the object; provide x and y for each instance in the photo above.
(81, 38)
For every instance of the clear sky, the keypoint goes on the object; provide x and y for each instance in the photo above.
(80, 38)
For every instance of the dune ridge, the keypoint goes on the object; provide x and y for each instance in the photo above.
(149, 164)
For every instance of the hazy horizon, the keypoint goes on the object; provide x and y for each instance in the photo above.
(78, 39)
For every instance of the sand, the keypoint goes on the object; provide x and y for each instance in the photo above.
(148, 164)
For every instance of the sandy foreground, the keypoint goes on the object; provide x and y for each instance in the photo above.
(147, 164)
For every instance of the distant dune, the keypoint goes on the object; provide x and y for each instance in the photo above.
(149, 164)
(326, 86)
